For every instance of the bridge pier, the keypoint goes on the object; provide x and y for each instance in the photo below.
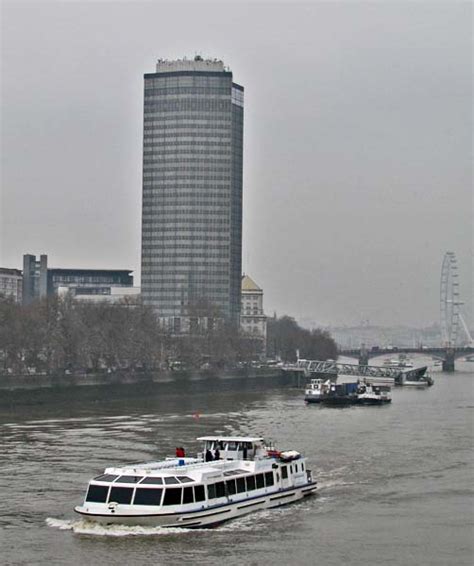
(448, 362)
(363, 356)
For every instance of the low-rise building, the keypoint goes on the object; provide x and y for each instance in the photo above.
(88, 279)
(253, 320)
(101, 293)
(11, 282)
(39, 281)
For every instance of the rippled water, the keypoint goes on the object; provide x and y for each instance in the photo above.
(395, 482)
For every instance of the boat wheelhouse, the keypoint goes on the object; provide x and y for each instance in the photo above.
(198, 492)
(316, 389)
(373, 394)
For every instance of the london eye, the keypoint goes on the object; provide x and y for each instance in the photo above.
(449, 299)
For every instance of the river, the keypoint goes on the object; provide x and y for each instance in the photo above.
(395, 482)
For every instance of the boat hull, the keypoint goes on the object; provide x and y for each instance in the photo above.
(312, 398)
(371, 401)
(206, 517)
(339, 401)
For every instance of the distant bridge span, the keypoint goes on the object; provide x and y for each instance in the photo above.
(446, 355)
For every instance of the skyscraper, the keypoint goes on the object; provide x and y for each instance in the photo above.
(192, 190)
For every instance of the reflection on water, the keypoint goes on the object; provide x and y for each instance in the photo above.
(399, 476)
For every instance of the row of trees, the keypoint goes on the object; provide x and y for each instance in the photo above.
(60, 334)
(285, 338)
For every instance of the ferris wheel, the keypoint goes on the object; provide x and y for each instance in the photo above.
(449, 299)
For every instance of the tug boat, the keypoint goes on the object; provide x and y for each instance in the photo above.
(366, 391)
(248, 475)
(368, 394)
(315, 390)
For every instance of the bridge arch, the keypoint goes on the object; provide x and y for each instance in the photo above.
(446, 355)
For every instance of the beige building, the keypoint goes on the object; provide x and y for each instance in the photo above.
(11, 282)
(252, 318)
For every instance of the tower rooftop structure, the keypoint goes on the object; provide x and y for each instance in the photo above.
(196, 64)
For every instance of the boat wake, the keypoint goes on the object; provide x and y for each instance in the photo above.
(82, 527)
(245, 523)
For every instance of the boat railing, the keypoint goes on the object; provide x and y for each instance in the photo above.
(174, 465)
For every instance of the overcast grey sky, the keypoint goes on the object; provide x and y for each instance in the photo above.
(358, 142)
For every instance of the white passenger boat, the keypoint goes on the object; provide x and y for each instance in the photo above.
(398, 363)
(199, 492)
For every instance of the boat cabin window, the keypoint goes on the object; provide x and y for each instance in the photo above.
(231, 487)
(199, 494)
(121, 495)
(129, 479)
(269, 479)
(97, 493)
(220, 489)
(169, 481)
(240, 485)
(152, 480)
(188, 496)
(147, 496)
(215, 490)
(106, 477)
(232, 446)
(250, 483)
(284, 472)
(213, 444)
(184, 479)
(172, 496)
(211, 491)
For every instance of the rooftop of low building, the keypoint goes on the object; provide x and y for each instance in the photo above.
(248, 284)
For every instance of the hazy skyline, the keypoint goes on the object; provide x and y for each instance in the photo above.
(357, 143)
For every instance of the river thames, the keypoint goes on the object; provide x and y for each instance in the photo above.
(395, 482)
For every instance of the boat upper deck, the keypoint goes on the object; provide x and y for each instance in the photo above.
(221, 456)
(182, 470)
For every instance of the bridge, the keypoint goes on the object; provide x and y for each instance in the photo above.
(330, 369)
(447, 355)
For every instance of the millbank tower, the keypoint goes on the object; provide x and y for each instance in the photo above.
(192, 191)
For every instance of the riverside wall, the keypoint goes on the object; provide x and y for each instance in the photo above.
(12, 382)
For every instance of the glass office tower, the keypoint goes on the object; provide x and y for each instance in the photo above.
(192, 191)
